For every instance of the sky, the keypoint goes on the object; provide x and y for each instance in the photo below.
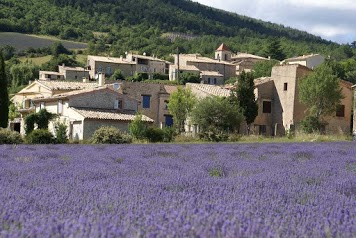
(331, 19)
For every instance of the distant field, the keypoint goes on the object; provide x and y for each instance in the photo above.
(44, 59)
(23, 41)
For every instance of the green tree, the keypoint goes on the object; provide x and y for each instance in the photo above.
(4, 96)
(320, 91)
(22, 73)
(244, 97)
(263, 68)
(216, 117)
(58, 48)
(187, 77)
(117, 75)
(274, 50)
(137, 127)
(180, 105)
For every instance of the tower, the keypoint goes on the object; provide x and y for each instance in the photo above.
(223, 53)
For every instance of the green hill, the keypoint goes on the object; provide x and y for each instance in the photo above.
(140, 24)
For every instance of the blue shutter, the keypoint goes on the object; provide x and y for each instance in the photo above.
(169, 120)
(146, 101)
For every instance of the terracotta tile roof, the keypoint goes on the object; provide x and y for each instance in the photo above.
(109, 59)
(210, 89)
(170, 89)
(303, 57)
(186, 67)
(200, 59)
(72, 93)
(262, 80)
(246, 55)
(51, 72)
(108, 115)
(223, 47)
(211, 73)
(63, 85)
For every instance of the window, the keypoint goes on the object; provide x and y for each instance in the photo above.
(168, 120)
(285, 87)
(146, 99)
(166, 104)
(267, 107)
(108, 70)
(214, 80)
(60, 107)
(100, 69)
(340, 110)
(209, 81)
(118, 104)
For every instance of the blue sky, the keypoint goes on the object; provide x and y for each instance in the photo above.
(331, 19)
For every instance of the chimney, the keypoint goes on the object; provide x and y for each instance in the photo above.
(85, 80)
(121, 58)
(101, 80)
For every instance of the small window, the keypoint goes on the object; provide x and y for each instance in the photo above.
(118, 104)
(285, 87)
(267, 107)
(76, 77)
(108, 70)
(340, 110)
(100, 69)
(209, 81)
(214, 80)
(146, 99)
(166, 104)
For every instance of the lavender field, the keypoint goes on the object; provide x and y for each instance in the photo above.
(210, 190)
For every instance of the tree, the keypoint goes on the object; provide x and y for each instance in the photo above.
(180, 105)
(263, 68)
(137, 127)
(244, 97)
(41, 119)
(22, 73)
(58, 48)
(187, 77)
(320, 91)
(274, 50)
(4, 96)
(117, 75)
(216, 117)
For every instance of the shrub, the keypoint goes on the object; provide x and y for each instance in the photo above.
(61, 133)
(10, 137)
(169, 133)
(311, 124)
(110, 135)
(154, 134)
(137, 128)
(41, 136)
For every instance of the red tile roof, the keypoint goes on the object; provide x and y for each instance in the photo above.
(223, 47)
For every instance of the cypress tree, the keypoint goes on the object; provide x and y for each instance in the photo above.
(4, 96)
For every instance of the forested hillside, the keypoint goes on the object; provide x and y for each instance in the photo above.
(139, 25)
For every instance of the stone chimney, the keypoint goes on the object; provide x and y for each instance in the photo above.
(101, 80)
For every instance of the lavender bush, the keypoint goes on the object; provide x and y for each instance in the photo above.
(211, 190)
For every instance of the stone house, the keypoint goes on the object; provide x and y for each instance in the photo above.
(85, 111)
(130, 65)
(218, 70)
(153, 100)
(50, 75)
(311, 61)
(279, 106)
(73, 73)
(245, 62)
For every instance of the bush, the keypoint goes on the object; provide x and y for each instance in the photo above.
(311, 124)
(10, 137)
(137, 128)
(110, 135)
(61, 133)
(42, 136)
(169, 133)
(154, 134)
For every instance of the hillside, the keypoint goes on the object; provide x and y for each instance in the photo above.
(140, 24)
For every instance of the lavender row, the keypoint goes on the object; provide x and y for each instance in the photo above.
(210, 190)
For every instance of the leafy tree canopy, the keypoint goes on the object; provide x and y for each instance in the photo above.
(320, 91)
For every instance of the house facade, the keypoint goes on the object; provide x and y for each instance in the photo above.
(217, 68)
(311, 61)
(85, 111)
(153, 100)
(130, 65)
(280, 109)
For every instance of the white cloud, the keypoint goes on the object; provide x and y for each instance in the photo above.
(338, 4)
(329, 31)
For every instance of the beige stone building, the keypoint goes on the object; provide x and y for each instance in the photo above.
(311, 61)
(245, 62)
(130, 65)
(85, 111)
(279, 106)
(153, 100)
(213, 70)
(73, 73)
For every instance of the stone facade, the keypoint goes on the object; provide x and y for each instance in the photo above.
(158, 94)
